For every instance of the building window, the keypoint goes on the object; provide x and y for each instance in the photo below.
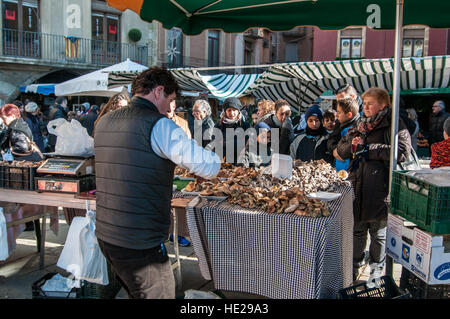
(350, 45)
(291, 54)
(213, 48)
(105, 27)
(20, 27)
(413, 42)
(248, 53)
(20, 15)
(174, 49)
(105, 45)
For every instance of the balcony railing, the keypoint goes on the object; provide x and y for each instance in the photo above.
(66, 49)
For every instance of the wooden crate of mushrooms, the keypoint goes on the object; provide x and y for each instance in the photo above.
(18, 174)
(255, 188)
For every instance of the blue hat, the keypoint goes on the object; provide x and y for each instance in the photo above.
(314, 110)
(262, 126)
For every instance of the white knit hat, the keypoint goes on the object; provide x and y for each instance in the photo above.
(31, 107)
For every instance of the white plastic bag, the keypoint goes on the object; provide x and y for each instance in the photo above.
(199, 294)
(81, 254)
(72, 139)
(4, 252)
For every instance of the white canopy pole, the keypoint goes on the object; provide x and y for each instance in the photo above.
(396, 89)
(395, 106)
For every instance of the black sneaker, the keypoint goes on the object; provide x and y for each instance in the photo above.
(29, 226)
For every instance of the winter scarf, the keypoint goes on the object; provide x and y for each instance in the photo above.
(366, 124)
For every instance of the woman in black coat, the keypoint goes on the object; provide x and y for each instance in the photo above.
(231, 118)
(19, 138)
(367, 145)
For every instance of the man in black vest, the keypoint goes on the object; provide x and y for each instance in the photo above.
(136, 150)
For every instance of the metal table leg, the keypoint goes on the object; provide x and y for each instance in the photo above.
(177, 249)
(42, 251)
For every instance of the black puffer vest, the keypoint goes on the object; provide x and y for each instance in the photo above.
(134, 185)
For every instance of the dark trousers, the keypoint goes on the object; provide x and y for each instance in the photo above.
(377, 248)
(144, 273)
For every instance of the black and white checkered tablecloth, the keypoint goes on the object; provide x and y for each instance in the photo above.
(274, 255)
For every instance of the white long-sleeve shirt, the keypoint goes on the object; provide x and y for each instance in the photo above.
(169, 141)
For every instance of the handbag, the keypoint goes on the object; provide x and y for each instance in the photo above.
(32, 150)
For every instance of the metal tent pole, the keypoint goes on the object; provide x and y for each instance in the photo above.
(395, 105)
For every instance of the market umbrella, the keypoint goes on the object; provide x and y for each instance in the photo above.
(194, 16)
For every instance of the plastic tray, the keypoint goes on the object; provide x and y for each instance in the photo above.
(387, 290)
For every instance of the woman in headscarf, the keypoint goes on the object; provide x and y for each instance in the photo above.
(311, 145)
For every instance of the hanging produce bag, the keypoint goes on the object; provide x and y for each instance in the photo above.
(81, 254)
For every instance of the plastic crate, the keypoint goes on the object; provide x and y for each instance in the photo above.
(420, 289)
(38, 293)
(21, 178)
(424, 204)
(95, 291)
(87, 290)
(387, 290)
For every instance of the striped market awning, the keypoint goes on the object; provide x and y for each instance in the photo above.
(219, 85)
(301, 83)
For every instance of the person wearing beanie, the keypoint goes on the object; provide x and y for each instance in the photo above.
(231, 117)
(440, 152)
(258, 151)
(311, 145)
(35, 123)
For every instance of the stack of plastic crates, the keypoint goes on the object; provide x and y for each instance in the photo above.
(420, 289)
(423, 203)
(384, 288)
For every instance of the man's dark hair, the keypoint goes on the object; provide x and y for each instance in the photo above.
(330, 113)
(146, 81)
(17, 103)
(349, 105)
(60, 100)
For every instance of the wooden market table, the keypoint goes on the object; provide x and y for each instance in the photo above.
(47, 199)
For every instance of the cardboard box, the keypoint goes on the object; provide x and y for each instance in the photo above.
(422, 253)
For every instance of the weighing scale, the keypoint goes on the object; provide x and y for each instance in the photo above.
(60, 174)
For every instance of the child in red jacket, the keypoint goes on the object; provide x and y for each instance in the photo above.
(440, 152)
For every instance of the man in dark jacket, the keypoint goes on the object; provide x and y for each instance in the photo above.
(88, 120)
(369, 150)
(59, 110)
(437, 123)
(136, 150)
